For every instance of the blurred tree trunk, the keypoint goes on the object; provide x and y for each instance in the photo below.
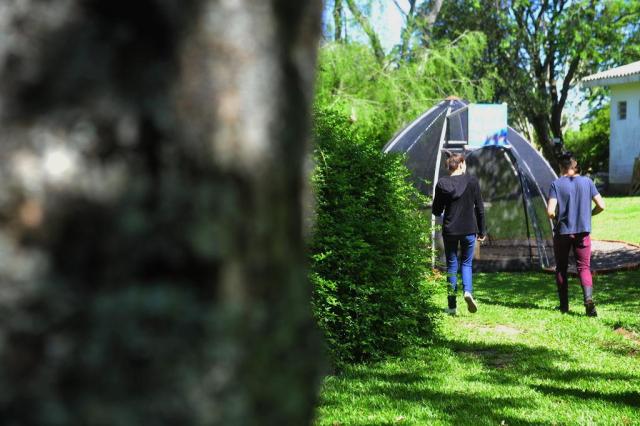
(151, 212)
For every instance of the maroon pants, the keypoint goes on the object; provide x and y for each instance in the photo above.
(581, 245)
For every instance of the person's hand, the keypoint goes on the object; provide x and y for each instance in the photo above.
(481, 238)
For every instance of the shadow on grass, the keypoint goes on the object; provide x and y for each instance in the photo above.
(515, 290)
(621, 289)
(530, 290)
(573, 375)
(508, 363)
(429, 380)
(631, 399)
(463, 382)
(454, 407)
(508, 304)
(436, 386)
(576, 308)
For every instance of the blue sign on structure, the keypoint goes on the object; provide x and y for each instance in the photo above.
(487, 125)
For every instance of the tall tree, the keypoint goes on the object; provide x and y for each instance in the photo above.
(419, 18)
(429, 15)
(541, 49)
(368, 29)
(153, 265)
(337, 20)
(408, 28)
(560, 42)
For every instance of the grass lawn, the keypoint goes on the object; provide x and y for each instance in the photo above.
(517, 361)
(620, 221)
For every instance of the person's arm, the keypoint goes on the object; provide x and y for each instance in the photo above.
(597, 198)
(599, 208)
(553, 201)
(437, 207)
(551, 207)
(479, 209)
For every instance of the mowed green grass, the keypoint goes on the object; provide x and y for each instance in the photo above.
(517, 361)
(620, 220)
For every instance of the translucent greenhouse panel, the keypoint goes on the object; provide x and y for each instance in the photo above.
(535, 163)
(422, 156)
(541, 230)
(508, 244)
(407, 137)
(457, 127)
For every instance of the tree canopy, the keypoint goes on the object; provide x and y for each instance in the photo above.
(541, 49)
(536, 52)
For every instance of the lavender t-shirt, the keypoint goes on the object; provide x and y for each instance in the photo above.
(574, 196)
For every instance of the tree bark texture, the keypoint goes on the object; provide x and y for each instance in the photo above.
(429, 20)
(154, 169)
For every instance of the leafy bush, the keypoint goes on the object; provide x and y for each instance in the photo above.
(590, 144)
(370, 248)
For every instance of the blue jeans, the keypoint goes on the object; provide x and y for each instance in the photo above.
(467, 244)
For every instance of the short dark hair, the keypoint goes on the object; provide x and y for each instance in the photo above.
(454, 161)
(567, 161)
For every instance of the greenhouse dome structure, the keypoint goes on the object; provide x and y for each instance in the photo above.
(514, 180)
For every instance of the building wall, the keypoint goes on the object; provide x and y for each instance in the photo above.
(624, 146)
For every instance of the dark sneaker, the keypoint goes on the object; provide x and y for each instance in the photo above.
(451, 302)
(471, 304)
(590, 308)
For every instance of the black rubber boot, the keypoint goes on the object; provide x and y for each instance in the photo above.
(589, 306)
(563, 294)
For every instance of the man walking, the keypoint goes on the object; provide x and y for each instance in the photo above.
(571, 194)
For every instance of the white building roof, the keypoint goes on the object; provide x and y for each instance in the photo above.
(629, 73)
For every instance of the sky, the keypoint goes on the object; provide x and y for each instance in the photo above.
(385, 18)
(390, 22)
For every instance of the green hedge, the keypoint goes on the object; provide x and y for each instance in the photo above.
(370, 248)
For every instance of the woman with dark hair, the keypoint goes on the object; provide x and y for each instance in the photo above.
(458, 197)
(569, 205)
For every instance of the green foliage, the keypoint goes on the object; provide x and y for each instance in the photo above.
(384, 98)
(541, 49)
(370, 249)
(590, 144)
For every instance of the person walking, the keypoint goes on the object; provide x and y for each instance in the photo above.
(458, 197)
(569, 206)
